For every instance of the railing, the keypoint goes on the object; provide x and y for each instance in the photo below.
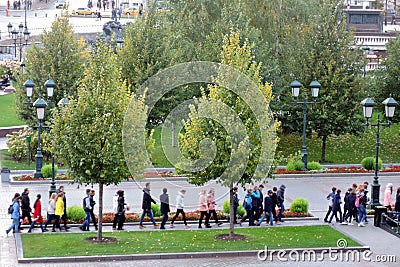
(374, 42)
(390, 221)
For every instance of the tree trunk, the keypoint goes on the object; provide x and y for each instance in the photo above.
(100, 228)
(323, 149)
(231, 213)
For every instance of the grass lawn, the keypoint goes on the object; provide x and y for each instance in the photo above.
(7, 162)
(139, 242)
(8, 111)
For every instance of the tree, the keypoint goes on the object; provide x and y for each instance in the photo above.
(230, 135)
(88, 132)
(58, 58)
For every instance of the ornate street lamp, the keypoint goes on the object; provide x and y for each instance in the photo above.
(315, 86)
(368, 105)
(21, 33)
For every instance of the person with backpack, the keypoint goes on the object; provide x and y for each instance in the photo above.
(37, 214)
(330, 198)
(336, 207)
(86, 207)
(15, 215)
(267, 209)
(247, 205)
(203, 208)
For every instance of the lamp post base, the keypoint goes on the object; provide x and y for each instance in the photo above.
(38, 175)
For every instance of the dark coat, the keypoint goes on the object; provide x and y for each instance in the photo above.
(397, 204)
(274, 199)
(336, 203)
(147, 199)
(164, 208)
(267, 204)
(121, 205)
(351, 202)
(25, 204)
(281, 195)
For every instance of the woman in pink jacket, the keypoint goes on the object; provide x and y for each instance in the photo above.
(211, 206)
(203, 208)
(387, 201)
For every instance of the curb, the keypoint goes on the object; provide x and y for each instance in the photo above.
(183, 255)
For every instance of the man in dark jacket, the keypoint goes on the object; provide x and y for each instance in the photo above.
(336, 206)
(146, 206)
(274, 199)
(281, 199)
(235, 204)
(26, 206)
(351, 208)
(267, 209)
(164, 199)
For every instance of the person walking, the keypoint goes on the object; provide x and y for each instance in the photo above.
(397, 204)
(26, 206)
(267, 209)
(256, 202)
(211, 206)
(64, 216)
(336, 206)
(281, 199)
(203, 208)
(164, 208)
(51, 209)
(115, 209)
(179, 208)
(330, 198)
(351, 208)
(361, 203)
(387, 200)
(121, 208)
(92, 204)
(15, 215)
(146, 206)
(86, 207)
(274, 200)
(247, 205)
(59, 212)
(37, 214)
(346, 205)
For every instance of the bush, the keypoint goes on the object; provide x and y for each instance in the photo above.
(313, 165)
(76, 213)
(226, 208)
(368, 163)
(46, 170)
(295, 165)
(299, 205)
(156, 208)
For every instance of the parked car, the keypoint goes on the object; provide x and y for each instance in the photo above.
(131, 11)
(82, 11)
(60, 4)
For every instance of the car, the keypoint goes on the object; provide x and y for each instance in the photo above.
(131, 11)
(82, 11)
(60, 4)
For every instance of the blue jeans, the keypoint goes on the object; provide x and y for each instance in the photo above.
(281, 210)
(86, 223)
(271, 218)
(14, 225)
(148, 212)
(334, 213)
(362, 214)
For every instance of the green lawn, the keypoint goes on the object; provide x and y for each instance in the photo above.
(7, 162)
(138, 242)
(8, 111)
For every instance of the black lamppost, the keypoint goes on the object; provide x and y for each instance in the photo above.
(315, 86)
(368, 106)
(21, 33)
(40, 106)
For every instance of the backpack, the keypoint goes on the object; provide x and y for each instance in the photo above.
(11, 209)
(247, 202)
(357, 203)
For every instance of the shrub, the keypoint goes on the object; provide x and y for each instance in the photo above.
(313, 165)
(46, 170)
(156, 209)
(295, 165)
(75, 213)
(368, 163)
(226, 208)
(299, 205)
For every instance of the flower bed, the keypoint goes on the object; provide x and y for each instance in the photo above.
(351, 169)
(31, 178)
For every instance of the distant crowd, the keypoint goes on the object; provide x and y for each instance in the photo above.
(355, 204)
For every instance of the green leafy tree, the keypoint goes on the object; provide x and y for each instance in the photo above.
(60, 58)
(230, 147)
(88, 132)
